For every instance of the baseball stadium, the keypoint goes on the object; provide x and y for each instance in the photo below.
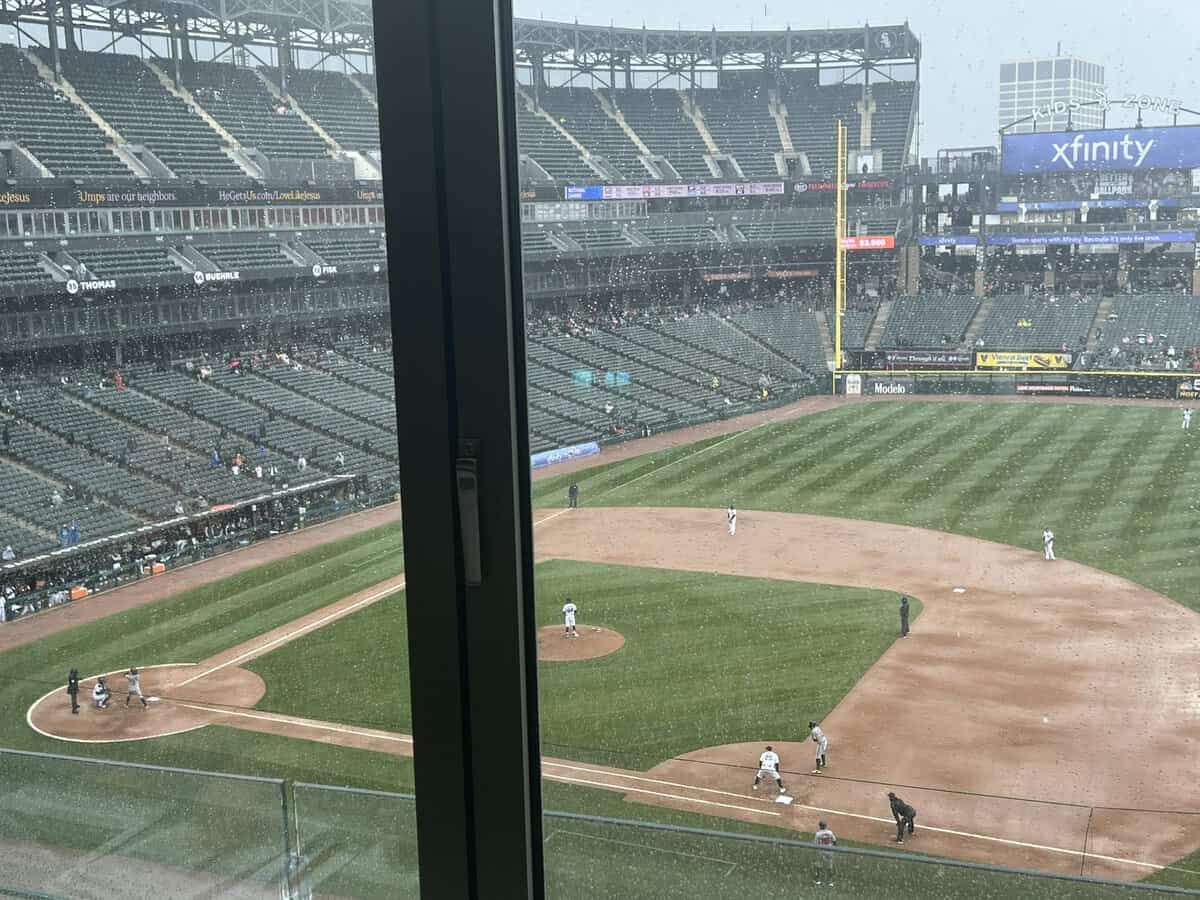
(697, 494)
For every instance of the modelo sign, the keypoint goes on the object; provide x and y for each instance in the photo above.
(1072, 151)
(889, 387)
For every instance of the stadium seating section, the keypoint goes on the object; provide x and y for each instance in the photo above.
(929, 321)
(743, 127)
(54, 130)
(115, 262)
(231, 257)
(236, 98)
(348, 250)
(545, 144)
(337, 105)
(658, 118)
(19, 267)
(1017, 322)
(131, 98)
(580, 112)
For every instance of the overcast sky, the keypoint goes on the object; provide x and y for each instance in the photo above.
(1143, 48)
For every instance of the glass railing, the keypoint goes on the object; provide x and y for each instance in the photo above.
(72, 827)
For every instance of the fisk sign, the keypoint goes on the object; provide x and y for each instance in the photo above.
(1134, 148)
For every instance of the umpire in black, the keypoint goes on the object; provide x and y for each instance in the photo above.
(573, 496)
(73, 690)
(904, 814)
(903, 617)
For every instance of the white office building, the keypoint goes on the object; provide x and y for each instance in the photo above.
(1049, 95)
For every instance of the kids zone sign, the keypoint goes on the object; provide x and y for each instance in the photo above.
(1082, 151)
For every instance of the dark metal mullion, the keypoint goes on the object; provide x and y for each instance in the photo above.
(444, 71)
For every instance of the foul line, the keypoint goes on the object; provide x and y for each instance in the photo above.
(686, 456)
(837, 812)
(304, 629)
(300, 723)
(632, 790)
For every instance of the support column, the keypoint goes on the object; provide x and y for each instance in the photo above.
(52, 34)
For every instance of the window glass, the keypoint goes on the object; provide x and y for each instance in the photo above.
(198, 465)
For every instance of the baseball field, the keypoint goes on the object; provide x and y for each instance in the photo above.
(1041, 715)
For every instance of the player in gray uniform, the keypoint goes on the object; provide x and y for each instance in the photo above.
(822, 742)
(134, 687)
(826, 840)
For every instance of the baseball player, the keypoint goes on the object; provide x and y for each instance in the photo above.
(822, 742)
(1187, 419)
(569, 609)
(768, 766)
(903, 617)
(826, 840)
(731, 516)
(904, 815)
(73, 690)
(1048, 542)
(134, 682)
(100, 694)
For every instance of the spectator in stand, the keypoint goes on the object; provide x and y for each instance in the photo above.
(7, 436)
(258, 471)
(214, 458)
(9, 554)
(301, 463)
(237, 460)
(64, 536)
(261, 452)
(339, 460)
(56, 499)
(179, 508)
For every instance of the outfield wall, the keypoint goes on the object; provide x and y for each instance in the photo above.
(1129, 385)
(75, 826)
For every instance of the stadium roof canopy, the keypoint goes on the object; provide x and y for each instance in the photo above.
(335, 26)
(597, 47)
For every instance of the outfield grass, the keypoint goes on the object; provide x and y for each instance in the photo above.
(1117, 484)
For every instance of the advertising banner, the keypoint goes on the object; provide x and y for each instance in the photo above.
(1131, 148)
(869, 242)
(1096, 237)
(866, 184)
(562, 454)
(988, 359)
(787, 274)
(924, 359)
(854, 385)
(950, 240)
(1073, 389)
(727, 276)
(1188, 389)
(886, 387)
(144, 197)
(671, 191)
(1062, 205)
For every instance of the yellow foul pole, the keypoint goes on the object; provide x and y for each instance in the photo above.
(839, 289)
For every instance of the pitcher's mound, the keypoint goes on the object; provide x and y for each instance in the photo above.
(591, 643)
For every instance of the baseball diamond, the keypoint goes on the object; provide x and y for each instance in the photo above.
(1032, 777)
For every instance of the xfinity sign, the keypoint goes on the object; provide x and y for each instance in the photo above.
(1134, 148)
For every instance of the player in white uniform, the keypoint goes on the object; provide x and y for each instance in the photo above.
(569, 609)
(822, 742)
(134, 687)
(826, 840)
(768, 767)
(1048, 542)
(1187, 419)
(100, 694)
(731, 516)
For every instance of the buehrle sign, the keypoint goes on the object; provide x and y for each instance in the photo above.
(1072, 151)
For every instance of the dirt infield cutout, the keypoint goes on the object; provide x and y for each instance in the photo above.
(592, 643)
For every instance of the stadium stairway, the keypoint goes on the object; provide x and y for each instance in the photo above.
(973, 329)
(875, 334)
(1102, 313)
(233, 147)
(827, 339)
